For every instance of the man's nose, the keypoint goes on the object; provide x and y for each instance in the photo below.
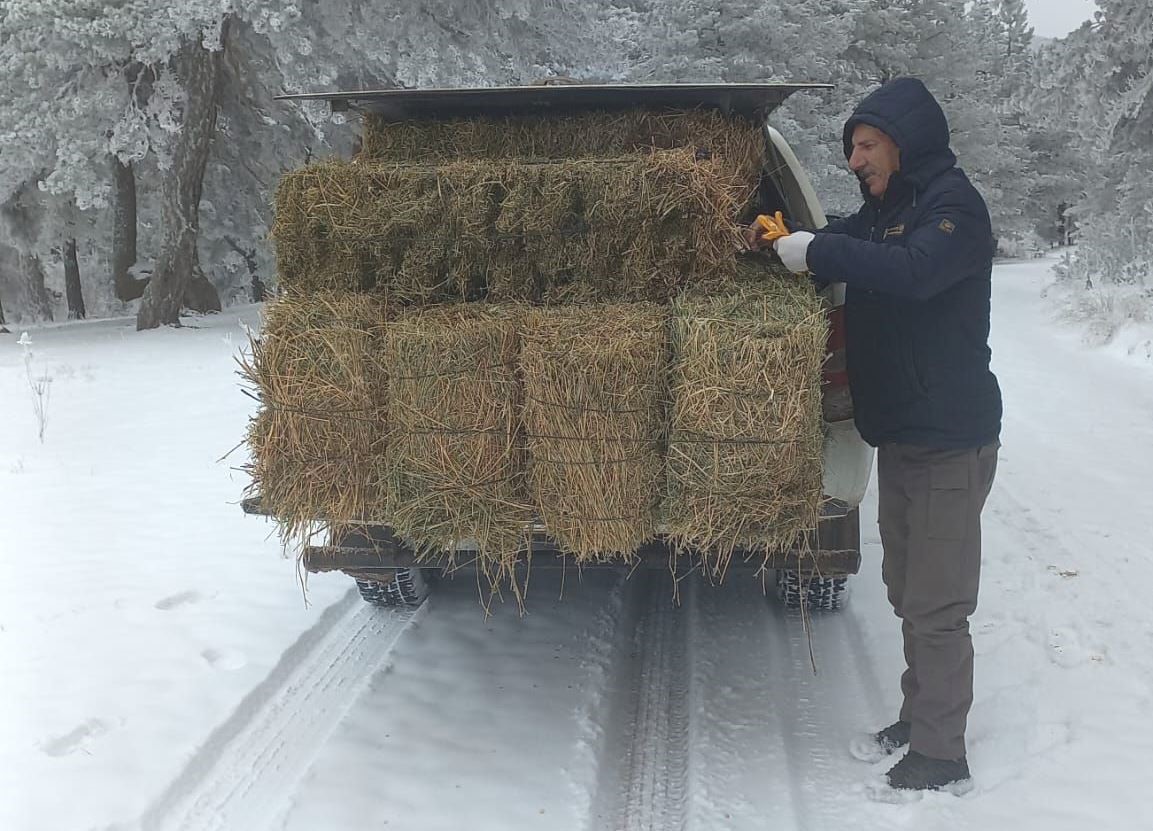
(856, 161)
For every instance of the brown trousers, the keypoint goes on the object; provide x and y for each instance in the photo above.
(929, 513)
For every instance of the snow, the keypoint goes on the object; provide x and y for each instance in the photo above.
(138, 606)
(162, 670)
(1133, 342)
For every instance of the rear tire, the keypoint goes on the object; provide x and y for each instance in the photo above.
(822, 593)
(410, 587)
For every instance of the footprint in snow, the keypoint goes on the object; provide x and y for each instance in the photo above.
(176, 600)
(228, 659)
(77, 739)
(1066, 649)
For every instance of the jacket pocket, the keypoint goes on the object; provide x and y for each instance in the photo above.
(917, 366)
(911, 378)
(950, 499)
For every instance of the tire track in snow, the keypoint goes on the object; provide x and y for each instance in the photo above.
(252, 762)
(643, 783)
(770, 736)
(816, 755)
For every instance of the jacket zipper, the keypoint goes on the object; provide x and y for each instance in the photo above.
(873, 234)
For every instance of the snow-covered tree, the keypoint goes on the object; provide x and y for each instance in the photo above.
(1097, 86)
(101, 93)
(150, 134)
(763, 41)
(990, 130)
(80, 65)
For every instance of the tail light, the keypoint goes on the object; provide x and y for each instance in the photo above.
(836, 403)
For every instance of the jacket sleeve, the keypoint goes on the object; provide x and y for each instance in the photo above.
(951, 240)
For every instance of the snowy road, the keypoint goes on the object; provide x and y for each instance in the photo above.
(169, 678)
(612, 709)
(241, 773)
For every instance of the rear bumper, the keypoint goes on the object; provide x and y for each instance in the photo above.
(835, 549)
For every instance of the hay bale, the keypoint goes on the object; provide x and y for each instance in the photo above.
(623, 229)
(595, 386)
(619, 230)
(709, 133)
(338, 226)
(456, 456)
(745, 434)
(318, 444)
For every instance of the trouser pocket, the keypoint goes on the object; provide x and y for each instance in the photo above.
(950, 498)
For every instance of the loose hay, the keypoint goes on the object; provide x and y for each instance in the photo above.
(595, 386)
(318, 444)
(623, 229)
(745, 441)
(456, 458)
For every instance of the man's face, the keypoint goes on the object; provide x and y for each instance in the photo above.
(875, 158)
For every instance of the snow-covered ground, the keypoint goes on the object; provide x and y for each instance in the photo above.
(160, 669)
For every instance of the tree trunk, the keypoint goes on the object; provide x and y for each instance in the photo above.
(32, 273)
(23, 217)
(72, 288)
(178, 264)
(201, 296)
(124, 284)
(3, 328)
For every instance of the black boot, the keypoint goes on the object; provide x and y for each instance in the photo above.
(876, 746)
(917, 772)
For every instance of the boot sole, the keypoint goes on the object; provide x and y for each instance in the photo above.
(866, 748)
(882, 791)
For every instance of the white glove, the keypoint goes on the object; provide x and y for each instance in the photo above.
(793, 250)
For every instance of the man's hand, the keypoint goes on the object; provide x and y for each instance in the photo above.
(793, 250)
(766, 230)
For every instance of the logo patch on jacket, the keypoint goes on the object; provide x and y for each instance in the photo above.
(895, 231)
(947, 226)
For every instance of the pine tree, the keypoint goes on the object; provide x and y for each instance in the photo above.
(1125, 233)
(95, 102)
(995, 145)
(1095, 88)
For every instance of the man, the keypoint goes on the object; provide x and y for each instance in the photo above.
(916, 260)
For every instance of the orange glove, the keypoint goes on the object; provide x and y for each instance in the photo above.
(771, 228)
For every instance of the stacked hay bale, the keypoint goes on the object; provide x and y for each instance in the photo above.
(745, 439)
(594, 415)
(563, 332)
(319, 443)
(594, 135)
(634, 206)
(456, 459)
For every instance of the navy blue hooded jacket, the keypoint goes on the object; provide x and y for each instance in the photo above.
(917, 265)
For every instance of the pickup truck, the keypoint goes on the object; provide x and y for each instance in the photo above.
(389, 573)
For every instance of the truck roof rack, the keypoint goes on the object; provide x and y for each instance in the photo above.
(751, 101)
